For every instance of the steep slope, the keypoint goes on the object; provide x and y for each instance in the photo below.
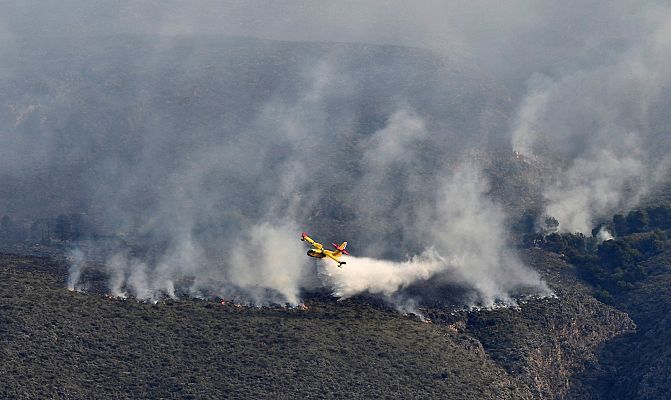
(70, 345)
(547, 343)
(74, 345)
(632, 273)
(638, 365)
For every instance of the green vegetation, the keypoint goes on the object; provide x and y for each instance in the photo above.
(60, 344)
(74, 345)
(59, 229)
(638, 366)
(632, 272)
(616, 266)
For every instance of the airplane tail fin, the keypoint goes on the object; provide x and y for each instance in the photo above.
(341, 248)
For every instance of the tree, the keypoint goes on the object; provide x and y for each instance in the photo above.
(616, 253)
(651, 244)
(620, 225)
(40, 231)
(6, 229)
(660, 216)
(63, 228)
(549, 225)
(526, 223)
(10, 231)
(554, 243)
(76, 226)
(637, 221)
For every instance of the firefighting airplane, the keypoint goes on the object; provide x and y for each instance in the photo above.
(318, 250)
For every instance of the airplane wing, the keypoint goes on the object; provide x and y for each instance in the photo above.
(334, 258)
(306, 238)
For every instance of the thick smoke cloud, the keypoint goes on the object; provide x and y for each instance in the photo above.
(203, 155)
(602, 125)
(471, 229)
(281, 267)
(464, 233)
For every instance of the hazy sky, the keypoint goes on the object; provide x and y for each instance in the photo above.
(511, 39)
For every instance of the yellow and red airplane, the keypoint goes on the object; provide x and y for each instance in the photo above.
(318, 250)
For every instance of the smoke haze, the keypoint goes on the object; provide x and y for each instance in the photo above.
(204, 149)
(465, 234)
(600, 120)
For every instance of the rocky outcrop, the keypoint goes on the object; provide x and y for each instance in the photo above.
(549, 344)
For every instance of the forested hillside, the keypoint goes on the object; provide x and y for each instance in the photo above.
(153, 189)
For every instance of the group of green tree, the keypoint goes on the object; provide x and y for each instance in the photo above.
(615, 265)
(61, 228)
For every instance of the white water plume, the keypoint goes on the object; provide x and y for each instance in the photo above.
(363, 274)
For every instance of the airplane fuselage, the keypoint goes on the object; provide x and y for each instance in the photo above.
(316, 253)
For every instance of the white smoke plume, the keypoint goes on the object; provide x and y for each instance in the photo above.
(600, 123)
(460, 232)
(265, 264)
(269, 257)
(394, 181)
(603, 235)
(116, 270)
(593, 187)
(525, 131)
(465, 244)
(76, 259)
(470, 229)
